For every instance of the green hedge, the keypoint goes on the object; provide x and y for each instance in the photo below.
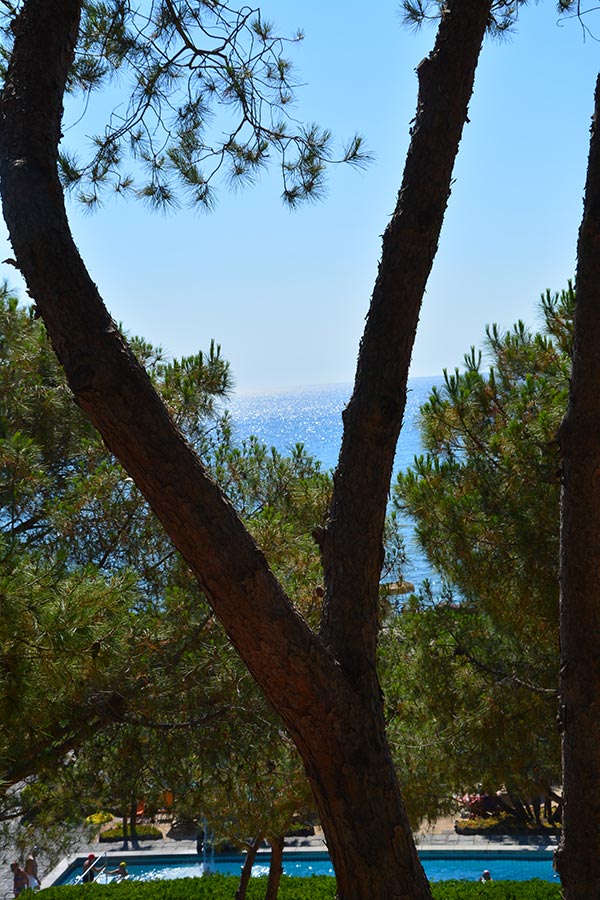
(317, 887)
(141, 831)
(497, 890)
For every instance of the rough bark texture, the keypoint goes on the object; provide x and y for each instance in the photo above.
(578, 858)
(352, 546)
(325, 688)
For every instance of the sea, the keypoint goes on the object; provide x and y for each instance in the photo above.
(313, 416)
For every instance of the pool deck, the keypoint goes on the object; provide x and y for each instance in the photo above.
(428, 844)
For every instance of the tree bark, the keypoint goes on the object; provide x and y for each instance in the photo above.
(352, 545)
(246, 872)
(578, 858)
(275, 867)
(324, 687)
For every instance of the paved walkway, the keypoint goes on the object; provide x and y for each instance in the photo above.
(477, 842)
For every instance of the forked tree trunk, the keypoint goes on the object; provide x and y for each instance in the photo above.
(324, 686)
(578, 858)
(275, 867)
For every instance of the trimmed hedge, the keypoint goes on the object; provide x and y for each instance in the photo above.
(141, 831)
(536, 889)
(316, 887)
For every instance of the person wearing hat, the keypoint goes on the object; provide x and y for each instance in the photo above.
(121, 872)
(89, 869)
(485, 876)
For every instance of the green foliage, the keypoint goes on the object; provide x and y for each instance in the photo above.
(64, 658)
(60, 490)
(281, 499)
(79, 601)
(503, 17)
(202, 89)
(113, 652)
(320, 887)
(142, 831)
(256, 790)
(497, 890)
(471, 698)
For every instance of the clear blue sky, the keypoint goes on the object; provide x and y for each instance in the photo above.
(285, 293)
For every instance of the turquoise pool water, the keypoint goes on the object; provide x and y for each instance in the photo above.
(439, 866)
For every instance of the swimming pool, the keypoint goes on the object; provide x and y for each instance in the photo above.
(438, 865)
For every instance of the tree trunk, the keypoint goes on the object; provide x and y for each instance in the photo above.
(275, 867)
(246, 872)
(555, 812)
(558, 813)
(352, 547)
(520, 809)
(578, 858)
(133, 820)
(324, 687)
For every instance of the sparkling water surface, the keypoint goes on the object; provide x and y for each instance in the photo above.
(438, 867)
(313, 416)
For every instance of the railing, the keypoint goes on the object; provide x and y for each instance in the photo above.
(94, 865)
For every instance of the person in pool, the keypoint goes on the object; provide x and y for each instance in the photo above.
(121, 872)
(89, 869)
(485, 876)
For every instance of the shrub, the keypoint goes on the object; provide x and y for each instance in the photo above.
(317, 887)
(496, 890)
(142, 831)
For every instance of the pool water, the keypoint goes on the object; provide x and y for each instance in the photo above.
(508, 867)
(439, 866)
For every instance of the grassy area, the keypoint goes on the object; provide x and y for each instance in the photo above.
(317, 887)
